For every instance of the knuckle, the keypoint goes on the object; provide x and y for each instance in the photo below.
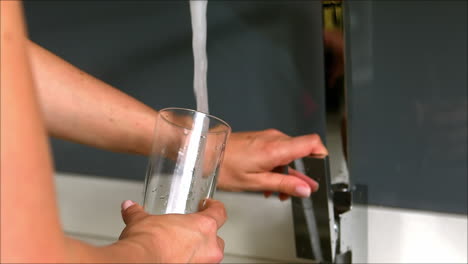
(271, 147)
(277, 153)
(315, 137)
(273, 131)
(217, 255)
(207, 224)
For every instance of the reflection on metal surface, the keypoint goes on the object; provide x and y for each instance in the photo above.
(326, 227)
(312, 215)
(341, 198)
(353, 227)
(323, 223)
(346, 257)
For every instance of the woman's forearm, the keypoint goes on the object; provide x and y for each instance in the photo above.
(81, 108)
(30, 226)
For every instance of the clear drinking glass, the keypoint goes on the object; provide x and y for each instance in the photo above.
(188, 148)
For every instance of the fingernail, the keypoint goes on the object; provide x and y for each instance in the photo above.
(316, 187)
(303, 191)
(126, 204)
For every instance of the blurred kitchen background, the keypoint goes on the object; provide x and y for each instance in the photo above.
(395, 72)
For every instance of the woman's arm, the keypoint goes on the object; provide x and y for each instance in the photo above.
(30, 227)
(81, 108)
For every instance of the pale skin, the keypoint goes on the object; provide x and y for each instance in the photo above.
(42, 94)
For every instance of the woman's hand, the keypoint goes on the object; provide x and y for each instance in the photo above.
(252, 159)
(173, 238)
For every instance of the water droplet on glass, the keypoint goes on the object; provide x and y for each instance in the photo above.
(162, 197)
(154, 189)
(203, 136)
(186, 131)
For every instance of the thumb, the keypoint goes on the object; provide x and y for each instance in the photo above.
(132, 212)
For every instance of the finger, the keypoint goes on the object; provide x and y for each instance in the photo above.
(287, 184)
(215, 209)
(221, 243)
(132, 212)
(312, 183)
(298, 147)
(309, 145)
(279, 169)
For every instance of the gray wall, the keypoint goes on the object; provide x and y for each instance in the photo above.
(407, 95)
(265, 63)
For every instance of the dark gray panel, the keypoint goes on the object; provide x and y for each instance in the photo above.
(265, 63)
(407, 94)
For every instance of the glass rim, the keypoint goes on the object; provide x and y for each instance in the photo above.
(168, 109)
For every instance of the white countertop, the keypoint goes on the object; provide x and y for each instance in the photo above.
(260, 230)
